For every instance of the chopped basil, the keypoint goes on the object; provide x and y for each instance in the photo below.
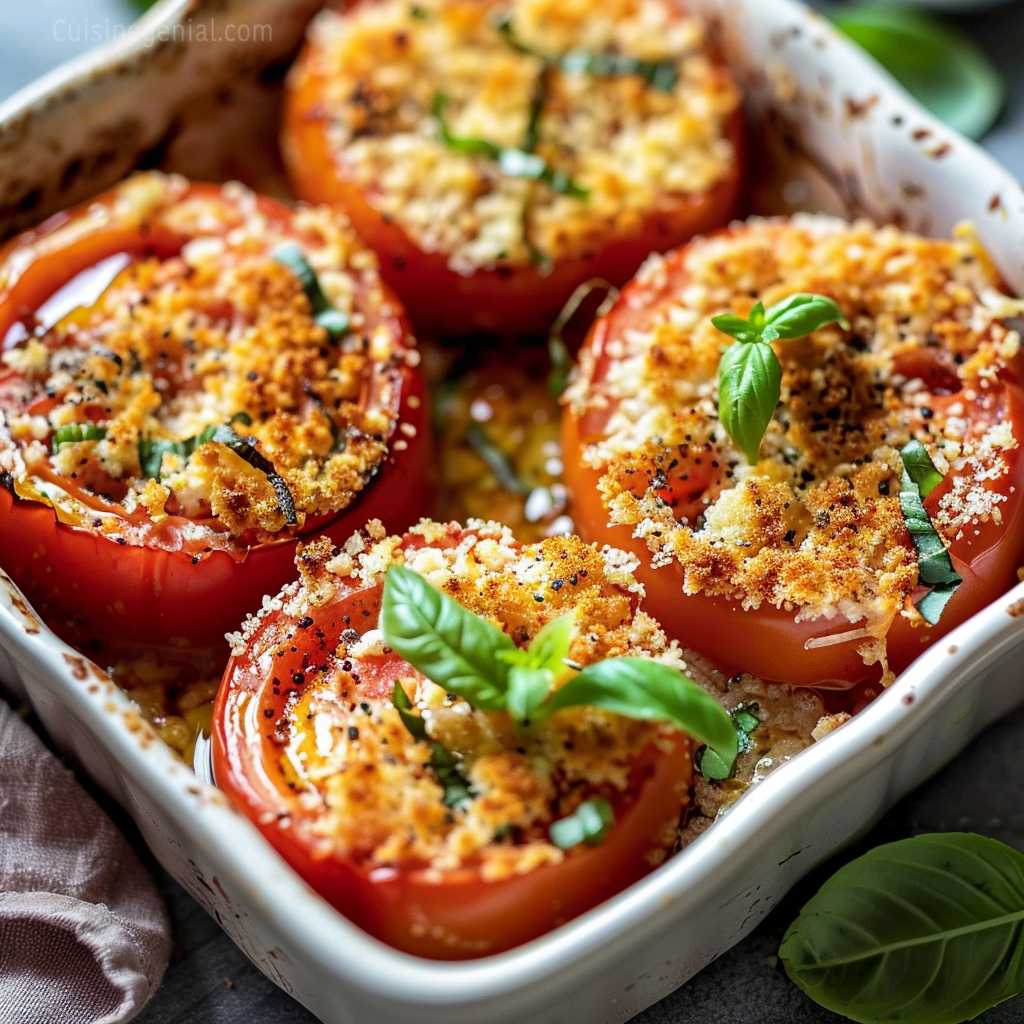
(151, 455)
(497, 461)
(710, 763)
(918, 464)
(934, 567)
(442, 762)
(659, 74)
(152, 452)
(445, 765)
(514, 162)
(558, 350)
(589, 824)
(332, 320)
(72, 433)
(414, 723)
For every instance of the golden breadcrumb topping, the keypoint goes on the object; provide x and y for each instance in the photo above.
(215, 334)
(350, 757)
(631, 142)
(817, 524)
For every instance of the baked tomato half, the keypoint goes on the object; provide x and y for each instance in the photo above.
(801, 568)
(191, 378)
(498, 154)
(424, 819)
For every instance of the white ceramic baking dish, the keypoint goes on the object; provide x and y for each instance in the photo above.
(830, 131)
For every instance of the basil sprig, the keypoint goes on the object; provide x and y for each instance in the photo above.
(472, 658)
(336, 323)
(921, 931)
(934, 567)
(659, 74)
(72, 433)
(749, 373)
(511, 160)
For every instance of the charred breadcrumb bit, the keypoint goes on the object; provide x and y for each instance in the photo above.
(380, 802)
(816, 525)
(625, 142)
(218, 334)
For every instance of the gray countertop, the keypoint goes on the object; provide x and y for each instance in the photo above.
(210, 981)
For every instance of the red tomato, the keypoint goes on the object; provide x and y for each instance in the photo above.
(509, 294)
(95, 568)
(279, 704)
(777, 642)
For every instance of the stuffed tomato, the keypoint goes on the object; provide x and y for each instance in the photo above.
(192, 377)
(436, 820)
(800, 565)
(497, 154)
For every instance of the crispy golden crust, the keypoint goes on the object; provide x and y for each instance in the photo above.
(816, 525)
(381, 801)
(633, 146)
(220, 333)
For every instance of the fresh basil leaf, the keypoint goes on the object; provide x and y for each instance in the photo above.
(802, 314)
(918, 463)
(528, 688)
(550, 647)
(72, 433)
(925, 930)
(939, 65)
(414, 723)
(659, 74)
(589, 823)
(332, 320)
(746, 720)
(710, 764)
(736, 327)
(933, 602)
(446, 642)
(650, 691)
(934, 566)
(749, 386)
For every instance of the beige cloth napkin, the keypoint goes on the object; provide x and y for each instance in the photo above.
(84, 937)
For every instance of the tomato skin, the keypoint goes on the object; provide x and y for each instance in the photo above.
(452, 914)
(510, 299)
(773, 642)
(87, 585)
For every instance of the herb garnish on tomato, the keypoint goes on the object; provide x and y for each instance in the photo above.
(475, 660)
